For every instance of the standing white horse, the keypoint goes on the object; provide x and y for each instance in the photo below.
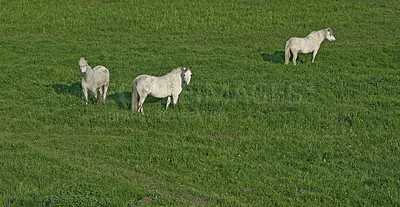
(93, 79)
(307, 44)
(159, 87)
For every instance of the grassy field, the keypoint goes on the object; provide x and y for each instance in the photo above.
(249, 130)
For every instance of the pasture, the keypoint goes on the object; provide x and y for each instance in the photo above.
(248, 130)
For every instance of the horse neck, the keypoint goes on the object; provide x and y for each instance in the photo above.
(90, 70)
(181, 76)
(318, 36)
(177, 75)
(89, 73)
(321, 36)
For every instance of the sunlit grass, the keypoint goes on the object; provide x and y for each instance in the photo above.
(249, 130)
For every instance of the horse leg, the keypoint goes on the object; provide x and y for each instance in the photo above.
(313, 55)
(101, 92)
(294, 56)
(141, 101)
(95, 95)
(168, 102)
(175, 99)
(85, 94)
(105, 92)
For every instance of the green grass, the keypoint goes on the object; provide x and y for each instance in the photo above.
(249, 130)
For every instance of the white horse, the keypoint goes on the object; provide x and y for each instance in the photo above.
(93, 79)
(159, 87)
(307, 44)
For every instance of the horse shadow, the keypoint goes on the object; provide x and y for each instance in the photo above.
(123, 99)
(276, 57)
(74, 89)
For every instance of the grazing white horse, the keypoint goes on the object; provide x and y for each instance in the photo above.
(168, 85)
(93, 79)
(307, 44)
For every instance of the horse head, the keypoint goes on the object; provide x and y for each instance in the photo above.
(187, 74)
(329, 35)
(83, 66)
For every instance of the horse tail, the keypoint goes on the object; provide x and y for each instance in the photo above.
(134, 97)
(287, 52)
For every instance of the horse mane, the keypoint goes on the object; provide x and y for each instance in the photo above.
(175, 71)
(179, 69)
(314, 34)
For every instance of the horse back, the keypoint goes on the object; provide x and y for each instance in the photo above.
(102, 74)
(294, 42)
(145, 81)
